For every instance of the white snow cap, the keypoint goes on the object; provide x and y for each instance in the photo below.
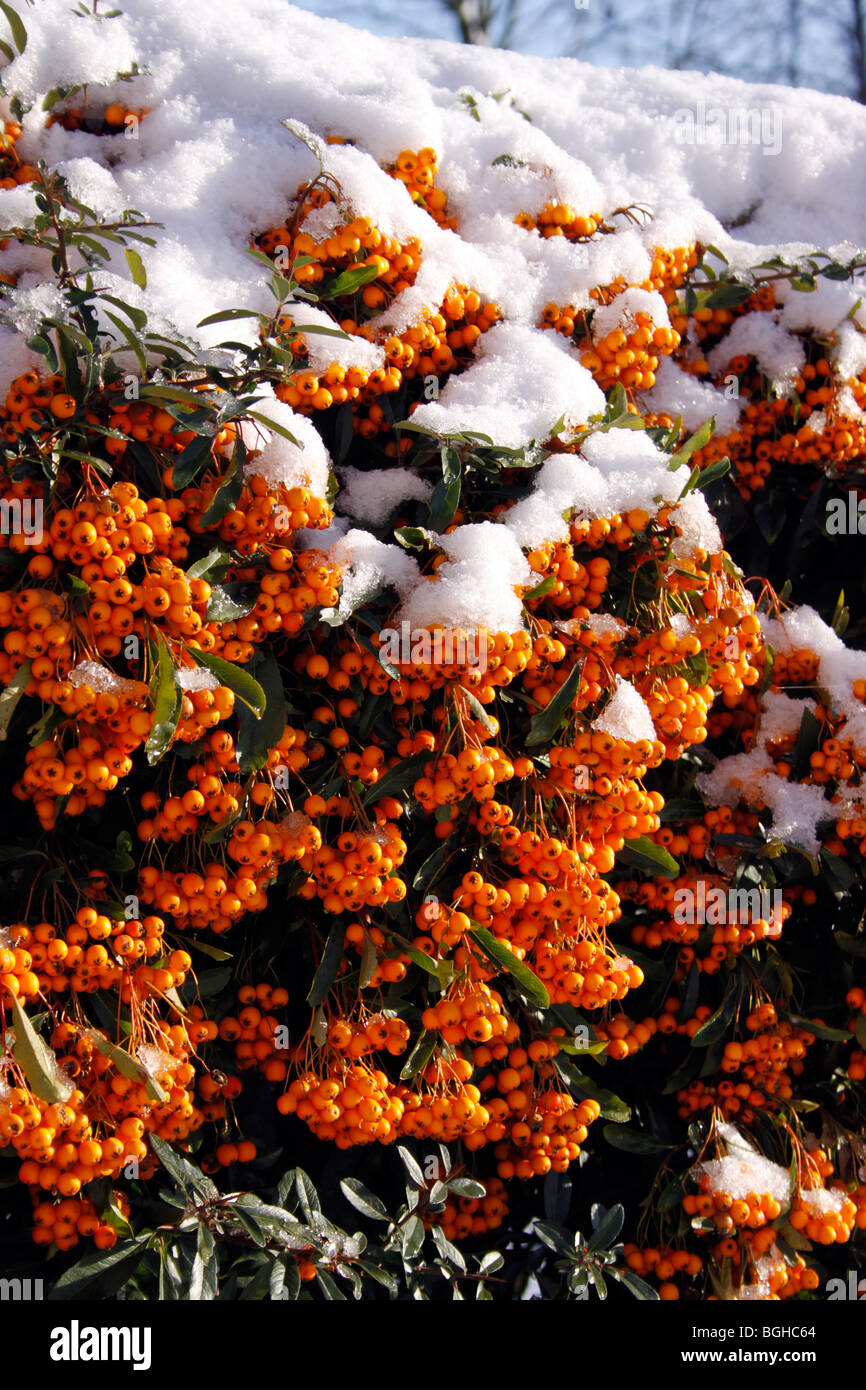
(744, 1170)
(626, 715)
(374, 495)
(302, 464)
(477, 585)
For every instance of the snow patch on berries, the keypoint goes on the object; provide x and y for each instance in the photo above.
(819, 1201)
(679, 393)
(374, 495)
(368, 566)
(743, 1170)
(779, 353)
(279, 461)
(477, 585)
(626, 715)
(521, 383)
(197, 678)
(697, 527)
(797, 810)
(622, 311)
(101, 680)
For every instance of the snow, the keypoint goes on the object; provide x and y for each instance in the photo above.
(679, 393)
(477, 585)
(99, 678)
(797, 809)
(779, 354)
(838, 666)
(369, 565)
(626, 715)
(373, 495)
(197, 678)
(238, 115)
(303, 464)
(522, 382)
(743, 1170)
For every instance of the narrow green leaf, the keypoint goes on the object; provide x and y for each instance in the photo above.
(526, 979)
(167, 697)
(136, 267)
(546, 722)
(644, 854)
(10, 696)
(235, 677)
(36, 1059)
(328, 965)
(363, 1200)
(631, 1141)
(19, 33)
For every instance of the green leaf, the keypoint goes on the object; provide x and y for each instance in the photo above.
(256, 736)
(182, 1170)
(631, 1141)
(397, 778)
(229, 490)
(728, 296)
(136, 267)
(128, 1065)
(10, 696)
(702, 478)
(369, 961)
(636, 1285)
(479, 713)
(419, 1056)
(820, 1030)
(350, 280)
(235, 677)
(363, 1200)
(307, 1194)
(837, 872)
(272, 425)
(328, 965)
(606, 1233)
(204, 1280)
(215, 560)
(852, 945)
(411, 1166)
(36, 1059)
(644, 854)
(225, 314)
(808, 741)
(167, 697)
(446, 494)
(543, 726)
(449, 1252)
(716, 1026)
(694, 442)
(544, 587)
(466, 1187)
(99, 1273)
(612, 1108)
(195, 458)
(19, 33)
(329, 1288)
(526, 979)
